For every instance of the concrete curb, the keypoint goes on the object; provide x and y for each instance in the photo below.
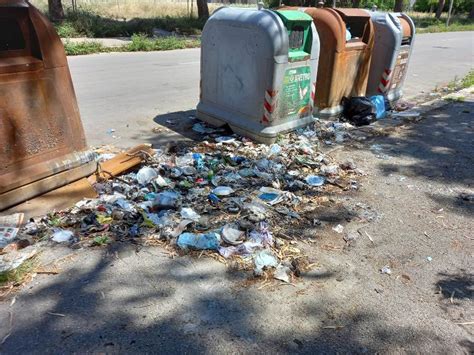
(106, 42)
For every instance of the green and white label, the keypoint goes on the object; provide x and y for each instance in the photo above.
(296, 92)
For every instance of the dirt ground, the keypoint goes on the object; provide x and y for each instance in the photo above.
(411, 213)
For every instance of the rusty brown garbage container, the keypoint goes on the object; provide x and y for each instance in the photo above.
(41, 133)
(344, 61)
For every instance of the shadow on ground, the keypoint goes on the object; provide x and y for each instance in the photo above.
(175, 128)
(441, 149)
(149, 313)
(83, 22)
(456, 286)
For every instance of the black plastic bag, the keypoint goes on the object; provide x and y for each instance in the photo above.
(359, 111)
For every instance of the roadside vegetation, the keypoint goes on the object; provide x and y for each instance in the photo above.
(428, 23)
(138, 43)
(462, 83)
(124, 18)
(84, 23)
(145, 20)
(452, 91)
(468, 81)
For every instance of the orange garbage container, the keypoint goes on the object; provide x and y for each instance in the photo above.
(347, 39)
(41, 133)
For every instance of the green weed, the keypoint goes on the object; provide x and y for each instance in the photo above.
(84, 48)
(142, 43)
(139, 43)
(18, 275)
(458, 84)
(455, 98)
(67, 30)
(54, 220)
(455, 27)
(468, 80)
(101, 240)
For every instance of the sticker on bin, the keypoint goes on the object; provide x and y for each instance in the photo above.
(296, 92)
(401, 67)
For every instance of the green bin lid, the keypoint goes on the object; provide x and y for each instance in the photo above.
(293, 16)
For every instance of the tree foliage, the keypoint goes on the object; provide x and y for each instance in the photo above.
(459, 6)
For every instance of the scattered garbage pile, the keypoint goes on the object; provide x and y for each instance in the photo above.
(227, 197)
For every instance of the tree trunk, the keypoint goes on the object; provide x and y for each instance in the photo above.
(471, 14)
(55, 9)
(440, 9)
(398, 6)
(203, 9)
(355, 3)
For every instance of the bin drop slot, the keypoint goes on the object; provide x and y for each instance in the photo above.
(296, 37)
(356, 27)
(11, 35)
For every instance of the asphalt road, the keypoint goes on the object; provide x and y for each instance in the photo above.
(131, 92)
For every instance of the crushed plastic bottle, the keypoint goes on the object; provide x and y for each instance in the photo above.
(271, 196)
(161, 182)
(223, 191)
(315, 180)
(166, 200)
(338, 229)
(225, 140)
(213, 198)
(232, 235)
(62, 236)
(145, 175)
(274, 150)
(189, 213)
(330, 170)
(200, 128)
(185, 160)
(206, 241)
(264, 259)
(282, 273)
(198, 161)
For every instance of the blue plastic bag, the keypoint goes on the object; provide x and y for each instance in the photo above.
(379, 103)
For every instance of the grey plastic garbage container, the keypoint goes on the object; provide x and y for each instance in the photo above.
(258, 71)
(394, 39)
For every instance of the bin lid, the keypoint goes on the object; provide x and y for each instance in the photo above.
(294, 16)
(353, 13)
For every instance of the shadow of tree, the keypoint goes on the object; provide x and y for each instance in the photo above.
(105, 310)
(457, 286)
(456, 202)
(440, 145)
(439, 148)
(83, 22)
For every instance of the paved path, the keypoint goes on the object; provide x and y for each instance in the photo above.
(127, 91)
